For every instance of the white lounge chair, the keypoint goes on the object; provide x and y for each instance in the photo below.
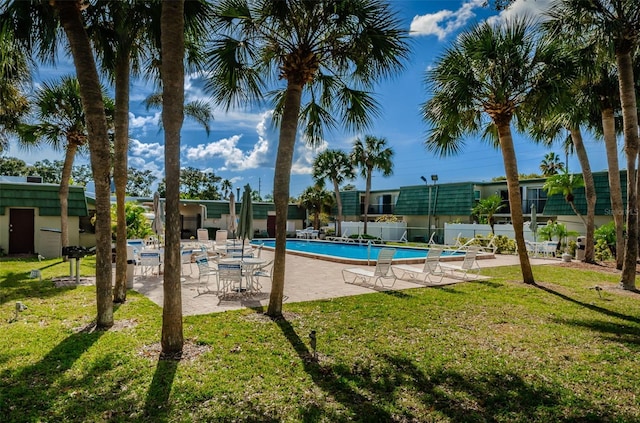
(469, 265)
(382, 271)
(431, 268)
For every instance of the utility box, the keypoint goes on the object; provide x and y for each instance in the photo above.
(50, 242)
(581, 243)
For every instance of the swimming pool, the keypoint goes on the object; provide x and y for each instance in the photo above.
(351, 252)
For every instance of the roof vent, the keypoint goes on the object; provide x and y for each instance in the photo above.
(34, 179)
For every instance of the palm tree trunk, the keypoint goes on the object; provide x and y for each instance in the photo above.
(91, 96)
(281, 181)
(611, 145)
(367, 194)
(120, 165)
(336, 190)
(63, 193)
(515, 199)
(590, 193)
(630, 124)
(172, 73)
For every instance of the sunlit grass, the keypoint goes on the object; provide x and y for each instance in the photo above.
(481, 351)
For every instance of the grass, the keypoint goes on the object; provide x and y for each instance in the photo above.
(492, 351)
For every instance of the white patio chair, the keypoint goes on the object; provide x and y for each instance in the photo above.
(221, 237)
(469, 265)
(203, 235)
(205, 270)
(381, 272)
(185, 260)
(431, 268)
(149, 261)
(229, 279)
(261, 271)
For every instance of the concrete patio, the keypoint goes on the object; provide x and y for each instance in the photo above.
(306, 279)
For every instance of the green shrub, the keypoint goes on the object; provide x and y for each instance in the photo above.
(606, 234)
(602, 250)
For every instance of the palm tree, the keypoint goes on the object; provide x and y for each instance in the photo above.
(372, 154)
(565, 184)
(494, 72)
(551, 164)
(36, 26)
(14, 76)
(488, 207)
(335, 166)
(123, 33)
(226, 187)
(60, 123)
(172, 75)
(614, 24)
(198, 110)
(315, 199)
(331, 51)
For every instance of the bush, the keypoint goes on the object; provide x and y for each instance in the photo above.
(606, 235)
(602, 250)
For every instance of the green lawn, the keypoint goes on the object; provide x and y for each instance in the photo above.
(492, 351)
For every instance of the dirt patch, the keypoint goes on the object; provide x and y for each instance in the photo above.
(190, 351)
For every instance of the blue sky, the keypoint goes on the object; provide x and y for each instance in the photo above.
(242, 144)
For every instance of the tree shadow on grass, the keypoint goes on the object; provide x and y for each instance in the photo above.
(328, 381)
(394, 388)
(30, 394)
(592, 307)
(156, 407)
(614, 332)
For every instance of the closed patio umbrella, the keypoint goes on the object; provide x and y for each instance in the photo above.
(158, 216)
(534, 221)
(245, 228)
(232, 215)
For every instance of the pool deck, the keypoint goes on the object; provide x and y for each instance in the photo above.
(305, 280)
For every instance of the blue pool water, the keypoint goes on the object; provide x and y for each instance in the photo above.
(347, 251)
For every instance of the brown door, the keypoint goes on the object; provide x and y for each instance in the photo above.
(271, 226)
(21, 227)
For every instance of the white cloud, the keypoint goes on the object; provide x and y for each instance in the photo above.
(143, 123)
(304, 155)
(445, 22)
(533, 9)
(227, 149)
(150, 151)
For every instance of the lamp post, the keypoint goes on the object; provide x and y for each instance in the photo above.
(429, 207)
(434, 178)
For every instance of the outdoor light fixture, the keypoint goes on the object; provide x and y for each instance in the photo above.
(434, 178)
(424, 179)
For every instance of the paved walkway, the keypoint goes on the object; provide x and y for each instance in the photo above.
(305, 280)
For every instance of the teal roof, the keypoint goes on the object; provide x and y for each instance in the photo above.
(217, 208)
(42, 196)
(557, 206)
(447, 199)
(350, 203)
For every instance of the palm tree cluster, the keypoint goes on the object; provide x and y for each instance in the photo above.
(572, 73)
(369, 155)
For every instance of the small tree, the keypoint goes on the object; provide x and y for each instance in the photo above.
(488, 207)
